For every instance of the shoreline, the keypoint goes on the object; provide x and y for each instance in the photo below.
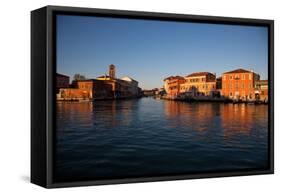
(216, 100)
(187, 100)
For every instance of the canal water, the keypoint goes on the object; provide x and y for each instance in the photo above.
(148, 137)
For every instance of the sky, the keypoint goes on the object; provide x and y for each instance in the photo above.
(148, 51)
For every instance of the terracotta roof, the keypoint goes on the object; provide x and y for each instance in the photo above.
(238, 71)
(198, 74)
(173, 77)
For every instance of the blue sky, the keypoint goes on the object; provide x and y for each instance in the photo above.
(149, 51)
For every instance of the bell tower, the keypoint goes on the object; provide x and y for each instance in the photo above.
(112, 71)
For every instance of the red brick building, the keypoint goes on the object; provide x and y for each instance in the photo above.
(239, 84)
(87, 89)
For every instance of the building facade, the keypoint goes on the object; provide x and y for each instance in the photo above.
(103, 87)
(239, 84)
(87, 90)
(172, 85)
(261, 90)
(198, 84)
(132, 85)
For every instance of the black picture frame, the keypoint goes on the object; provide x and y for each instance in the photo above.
(43, 69)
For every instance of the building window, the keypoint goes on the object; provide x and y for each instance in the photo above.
(224, 77)
(236, 76)
(230, 94)
(250, 76)
(230, 77)
(243, 76)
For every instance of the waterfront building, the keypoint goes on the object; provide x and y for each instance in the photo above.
(172, 85)
(62, 81)
(261, 90)
(147, 93)
(199, 84)
(103, 87)
(219, 83)
(239, 84)
(159, 91)
(86, 90)
(132, 85)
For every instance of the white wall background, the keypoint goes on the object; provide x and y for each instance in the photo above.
(15, 94)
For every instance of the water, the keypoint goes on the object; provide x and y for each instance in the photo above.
(147, 137)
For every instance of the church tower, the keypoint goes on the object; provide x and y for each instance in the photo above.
(112, 71)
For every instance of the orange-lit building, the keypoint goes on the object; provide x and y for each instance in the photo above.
(261, 90)
(199, 83)
(172, 85)
(103, 87)
(239, 84)
(86, 89)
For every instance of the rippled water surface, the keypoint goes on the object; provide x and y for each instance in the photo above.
(148, 137)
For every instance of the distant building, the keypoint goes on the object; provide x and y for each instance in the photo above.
(199, 83)
(239, 84)
(62, 81)
(172, 85)
(261, 90)
(103, 87)
(148, 92)
(87, 89)
(219, 83)
(218, 86)
(132, 85)
(159, 91)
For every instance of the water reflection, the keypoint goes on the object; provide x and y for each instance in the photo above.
(196, 116)
(146, 137)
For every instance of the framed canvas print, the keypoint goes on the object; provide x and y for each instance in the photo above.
(126, 96)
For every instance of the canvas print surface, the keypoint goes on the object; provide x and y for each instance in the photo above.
(143, 98)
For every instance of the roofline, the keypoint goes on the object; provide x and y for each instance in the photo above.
(190, 75)
(232, 71)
